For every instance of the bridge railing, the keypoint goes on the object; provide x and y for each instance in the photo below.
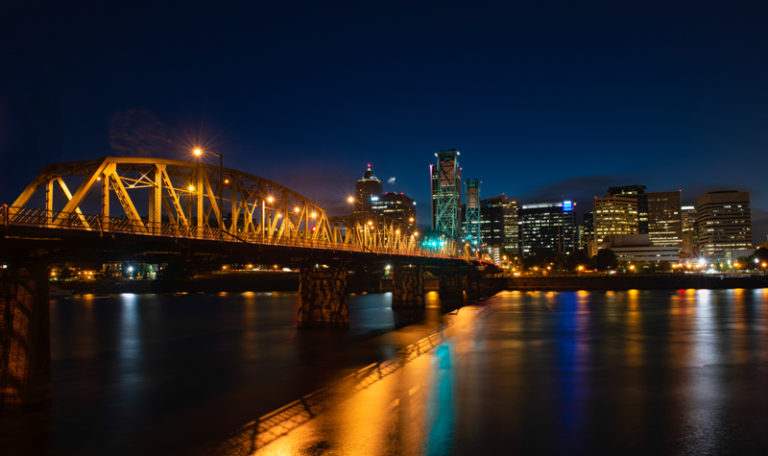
(41, 218)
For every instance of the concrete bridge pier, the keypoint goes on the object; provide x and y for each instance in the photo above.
(323, 298)
(408, 287)
(25, 353)
(451, 285)
(473, 285)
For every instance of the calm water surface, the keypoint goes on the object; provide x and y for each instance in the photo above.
(638, 372)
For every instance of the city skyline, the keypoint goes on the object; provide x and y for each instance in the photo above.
(376, 228)
(547, 103)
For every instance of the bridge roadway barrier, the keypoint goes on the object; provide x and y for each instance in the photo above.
(25, 355)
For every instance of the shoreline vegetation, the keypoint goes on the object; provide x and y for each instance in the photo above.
(289, 281)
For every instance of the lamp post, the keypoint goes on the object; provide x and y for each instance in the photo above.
(198, 152)
(269, 200)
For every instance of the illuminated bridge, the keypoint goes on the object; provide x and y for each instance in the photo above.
(177, 212)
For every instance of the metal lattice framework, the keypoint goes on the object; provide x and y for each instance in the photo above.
(472, 216)
(446, 193)
(174, 198)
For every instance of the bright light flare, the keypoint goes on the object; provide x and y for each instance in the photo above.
(197, 152)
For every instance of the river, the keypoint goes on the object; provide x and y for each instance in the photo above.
(665, 372)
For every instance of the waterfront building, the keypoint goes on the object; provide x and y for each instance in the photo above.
(367, 188)
(641, 200)
(614, 215)
(665, 224)
(547, 227)
(396, 206)
(689, 245)
(511, 210)
(586, 232)
(445, 178)
(638, 248)
(499, 225)
(724, 222)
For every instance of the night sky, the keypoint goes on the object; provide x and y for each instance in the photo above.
(544, 102)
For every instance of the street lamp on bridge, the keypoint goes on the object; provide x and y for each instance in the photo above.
(198, 152)
(269, 200)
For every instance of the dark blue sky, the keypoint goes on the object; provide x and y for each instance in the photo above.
(544, 100)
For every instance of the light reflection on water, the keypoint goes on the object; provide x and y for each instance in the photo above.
(658, 372)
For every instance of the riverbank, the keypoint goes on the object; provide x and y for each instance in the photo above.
(241, 281)
(638, 282)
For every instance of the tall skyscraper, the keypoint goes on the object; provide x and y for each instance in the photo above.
(638, 193)
(472, 222)
(446, 193)
(367, 187)
(511, 208)
(586, 232)
(614, 215)
(665, 223)
(499, 227)
(724, 222)
(547, 227)
(689, 247)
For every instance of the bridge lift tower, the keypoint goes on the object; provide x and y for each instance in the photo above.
(446, 193)
(472, 220)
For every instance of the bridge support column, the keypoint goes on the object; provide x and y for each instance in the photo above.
(451, 285)
(473, 284)
(408, 287)
(324, 301)
(25, 354)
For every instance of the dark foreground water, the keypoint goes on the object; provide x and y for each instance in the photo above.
(636, 372)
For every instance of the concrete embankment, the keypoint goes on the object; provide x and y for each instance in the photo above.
(655, 282)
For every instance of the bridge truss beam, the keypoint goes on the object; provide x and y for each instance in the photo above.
(181, 199)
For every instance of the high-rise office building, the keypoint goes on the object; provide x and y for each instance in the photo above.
(586, 232)
(446, 193)
(511, 209)
(665, 224)
(638, 193)
(499, 227)
(724, 222)
(689, 246)
(367, 187)
(396, 206)
(472, 222)
(547, 227)
(614, 215)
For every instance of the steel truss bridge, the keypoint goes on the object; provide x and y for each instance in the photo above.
(191, 213)
(197, 201)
